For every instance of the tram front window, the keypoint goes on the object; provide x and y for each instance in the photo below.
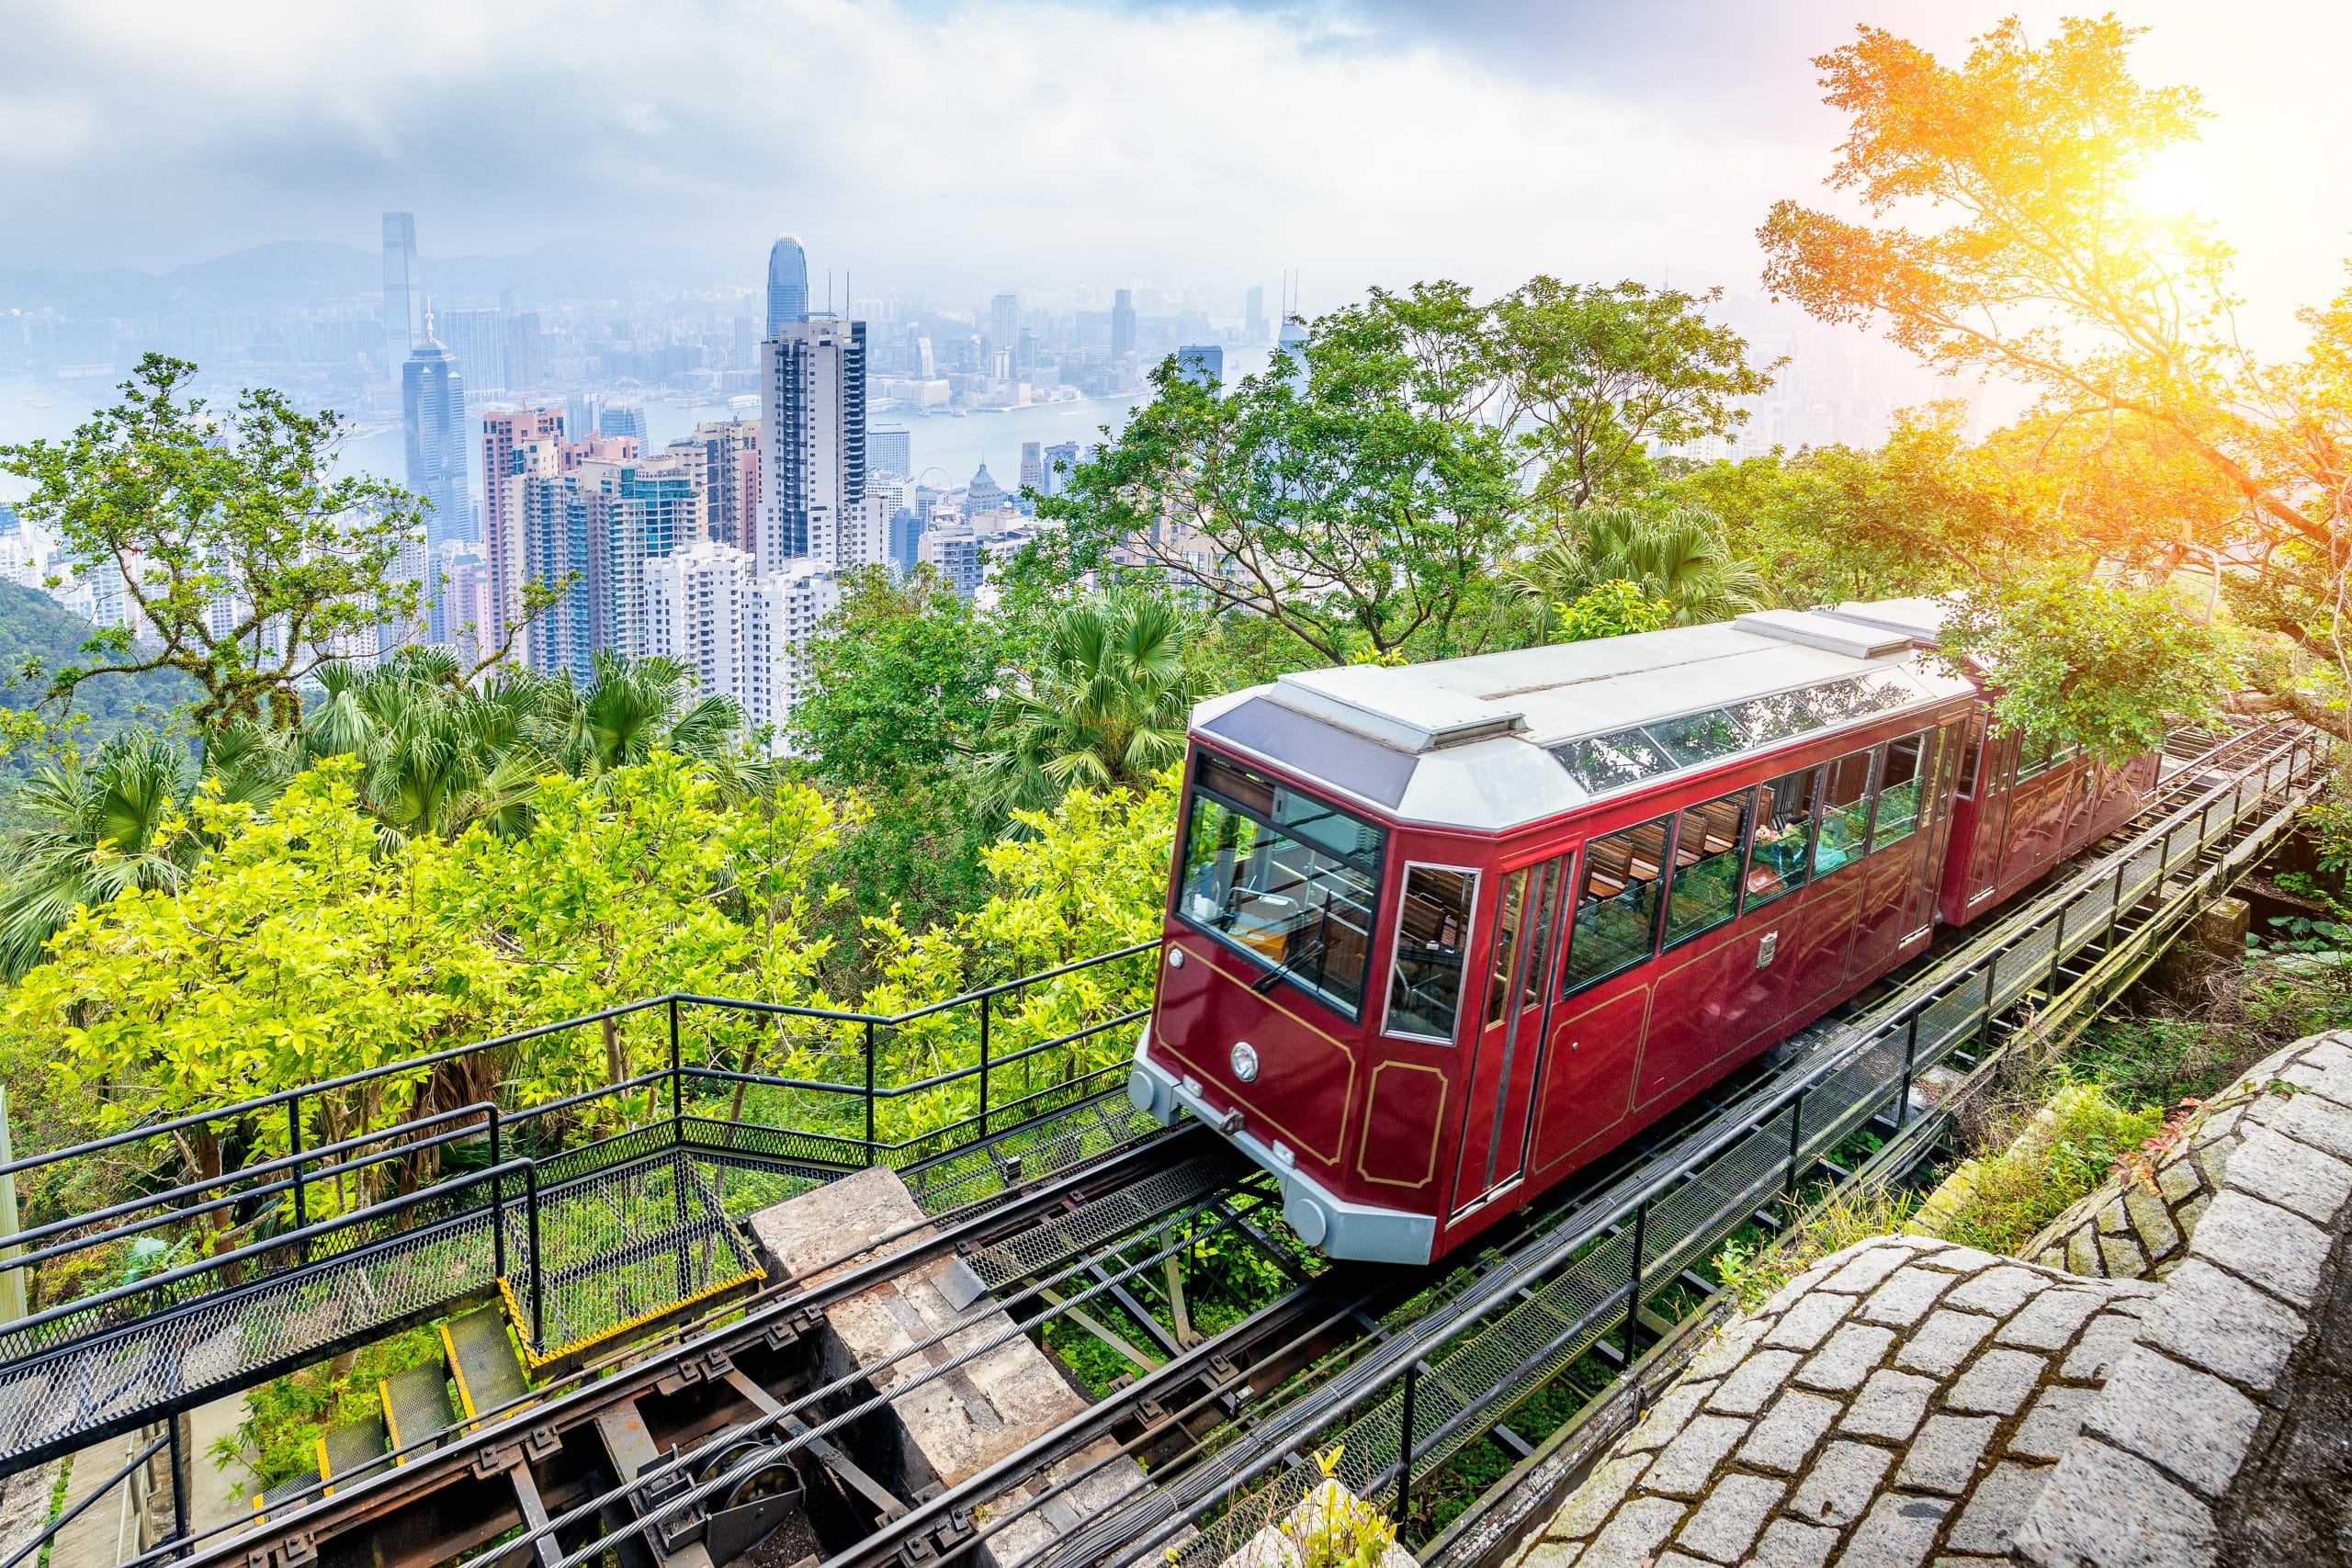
(1291, 880)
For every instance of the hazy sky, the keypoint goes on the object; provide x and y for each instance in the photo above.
(1023, 143)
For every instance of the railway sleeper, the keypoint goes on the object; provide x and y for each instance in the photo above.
(967, 1404)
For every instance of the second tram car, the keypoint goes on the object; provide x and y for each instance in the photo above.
(1437, 936)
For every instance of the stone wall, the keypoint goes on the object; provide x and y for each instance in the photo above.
(1907, 1400)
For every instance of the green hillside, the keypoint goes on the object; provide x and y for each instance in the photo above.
(32, 624)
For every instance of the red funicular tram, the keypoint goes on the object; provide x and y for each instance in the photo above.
(1438, 936)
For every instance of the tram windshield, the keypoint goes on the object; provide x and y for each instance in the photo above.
(1291, 880)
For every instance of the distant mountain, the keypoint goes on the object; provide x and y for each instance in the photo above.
(34, 624)
(317, 272)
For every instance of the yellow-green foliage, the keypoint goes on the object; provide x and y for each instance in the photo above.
(2056, 1159)
(306, 946)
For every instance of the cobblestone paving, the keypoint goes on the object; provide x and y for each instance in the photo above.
(1908, 1401)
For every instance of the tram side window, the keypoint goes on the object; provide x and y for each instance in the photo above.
(1707, 852)
(1432, 943)
(1616, 920)
(1783, 857)
(1845, 814)
(1898, 790)
(2033, 758)
(1510, 929)
(1287, 878)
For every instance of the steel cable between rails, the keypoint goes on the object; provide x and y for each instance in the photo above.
(793, 1443)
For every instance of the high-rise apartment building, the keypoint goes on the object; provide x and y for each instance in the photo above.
(1033, 466)
(403, 292)
(729, 453)
(812, 443)
(1123, 323)
(433, 412)
(477, 341)
(507, 433)
(787, 283)
(592, 516)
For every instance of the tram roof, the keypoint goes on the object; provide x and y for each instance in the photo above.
(1499, 740)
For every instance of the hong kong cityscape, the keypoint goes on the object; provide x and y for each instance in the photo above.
(1169, 784)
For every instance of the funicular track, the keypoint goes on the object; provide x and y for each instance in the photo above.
(1403, 1369)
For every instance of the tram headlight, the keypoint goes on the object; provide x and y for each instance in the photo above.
(1245, 1061)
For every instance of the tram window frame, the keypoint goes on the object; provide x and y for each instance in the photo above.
(2035, 758)
(1751, 896)
(1871, 762)
(1972, 757)
(1476, 879)
(1368, 868)
(1744, 801)
(1570, 981)
(1923, 765)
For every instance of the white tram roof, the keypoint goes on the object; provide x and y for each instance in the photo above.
(1499, 739)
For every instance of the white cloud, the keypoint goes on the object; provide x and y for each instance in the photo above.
(1008, 142)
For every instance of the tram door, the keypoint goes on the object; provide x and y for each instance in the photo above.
(1505, 1063)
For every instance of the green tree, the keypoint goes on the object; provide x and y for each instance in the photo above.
(1610, 609)
(195, 509)
(1679, 560)
(435, 754)
(896, 682)
(1339, 493)
(92, 832)
(304, 946)
(1105, 706)
(2106, 666)
(629, 709)
(1592, 377)
(2003, 232)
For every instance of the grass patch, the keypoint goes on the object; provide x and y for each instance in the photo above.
(2077, 1143)
(1753, 1264)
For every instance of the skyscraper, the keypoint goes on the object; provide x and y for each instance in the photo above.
(403, 292)
(1033, 466)
(787, 283)
(1203, 364)
(623, 419)
(812, 443)
(1123, 323)
(433, 412)
(891, 449)
(477, 341)
(1061, 459)
(1004, 323)
(728, 451)
(1254, 311)
(525, 368)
